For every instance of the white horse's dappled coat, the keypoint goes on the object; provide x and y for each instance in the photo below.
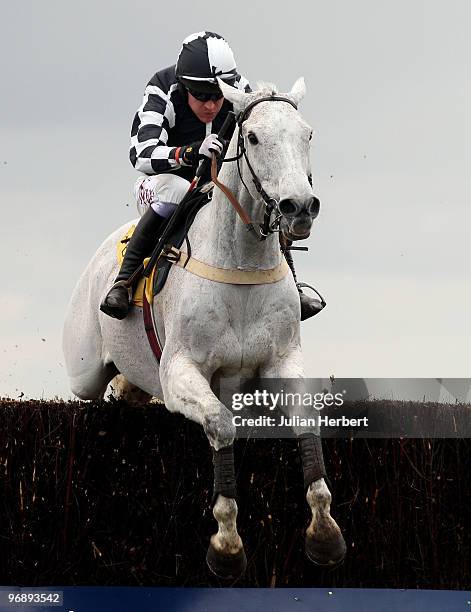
(210, 330)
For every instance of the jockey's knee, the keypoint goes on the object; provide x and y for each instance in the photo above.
(163, 192)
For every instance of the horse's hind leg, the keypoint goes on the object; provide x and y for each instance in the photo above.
(121, 388)
(89, 371)
(90, 381)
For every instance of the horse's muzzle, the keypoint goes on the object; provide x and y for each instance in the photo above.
(297, 217)
(293, 208)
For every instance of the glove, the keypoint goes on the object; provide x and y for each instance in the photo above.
(191, 154)
(188, 155)
(211, 144)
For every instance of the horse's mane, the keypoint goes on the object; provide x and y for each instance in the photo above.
(266, 89)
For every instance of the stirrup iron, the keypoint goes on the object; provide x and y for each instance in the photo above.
(301, 285)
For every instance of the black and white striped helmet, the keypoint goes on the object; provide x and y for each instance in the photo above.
(203, 57)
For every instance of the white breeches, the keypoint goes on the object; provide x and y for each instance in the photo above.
(163, 192)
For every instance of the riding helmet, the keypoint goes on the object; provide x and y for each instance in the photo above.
(203, 57)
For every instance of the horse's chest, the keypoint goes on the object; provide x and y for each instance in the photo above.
(241, 334)
(268, 339)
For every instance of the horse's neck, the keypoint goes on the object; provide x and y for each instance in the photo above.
(219, 236)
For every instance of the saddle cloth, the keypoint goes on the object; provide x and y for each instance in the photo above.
(120, 251)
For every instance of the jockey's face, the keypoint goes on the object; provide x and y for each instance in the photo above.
(205, 111)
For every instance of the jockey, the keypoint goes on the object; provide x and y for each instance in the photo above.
(175, 126)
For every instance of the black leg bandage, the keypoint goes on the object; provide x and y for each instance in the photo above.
(312, 457)
(224, 473)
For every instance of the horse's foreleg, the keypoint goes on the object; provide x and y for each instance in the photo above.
(188, 391)
(324, 542)
(226, 556)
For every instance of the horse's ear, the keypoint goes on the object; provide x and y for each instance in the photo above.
(298, 91)
(238, 98)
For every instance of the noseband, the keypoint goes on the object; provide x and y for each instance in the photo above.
(270, 204)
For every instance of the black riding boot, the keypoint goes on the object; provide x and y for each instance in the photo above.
(117, 301)
(309, 306)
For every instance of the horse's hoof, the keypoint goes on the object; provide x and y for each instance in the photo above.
(228, 567)
(328, 554)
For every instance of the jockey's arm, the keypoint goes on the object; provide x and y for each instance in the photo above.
(155, 117)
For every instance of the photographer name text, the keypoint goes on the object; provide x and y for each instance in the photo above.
(298, 421)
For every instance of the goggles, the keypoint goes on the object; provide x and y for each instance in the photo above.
(205, 97)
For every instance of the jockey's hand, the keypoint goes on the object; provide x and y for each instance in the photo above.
(189, 154)
(211, 144)
(192, 153)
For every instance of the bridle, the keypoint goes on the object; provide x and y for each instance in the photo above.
(271, 204)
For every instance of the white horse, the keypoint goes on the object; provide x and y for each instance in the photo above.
(212, 330)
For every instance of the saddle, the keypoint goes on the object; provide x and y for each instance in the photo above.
(186, 215)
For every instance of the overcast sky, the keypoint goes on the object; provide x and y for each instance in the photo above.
(388, 93)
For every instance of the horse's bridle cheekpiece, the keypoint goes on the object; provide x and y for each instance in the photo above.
(270, 203)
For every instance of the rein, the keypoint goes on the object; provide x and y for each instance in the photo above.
(267, 227)
(231, 197)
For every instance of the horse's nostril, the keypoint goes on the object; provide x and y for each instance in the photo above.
(287, 207)
(314, 207)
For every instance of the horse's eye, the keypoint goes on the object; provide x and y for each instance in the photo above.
(310, 136)
(252, 138)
